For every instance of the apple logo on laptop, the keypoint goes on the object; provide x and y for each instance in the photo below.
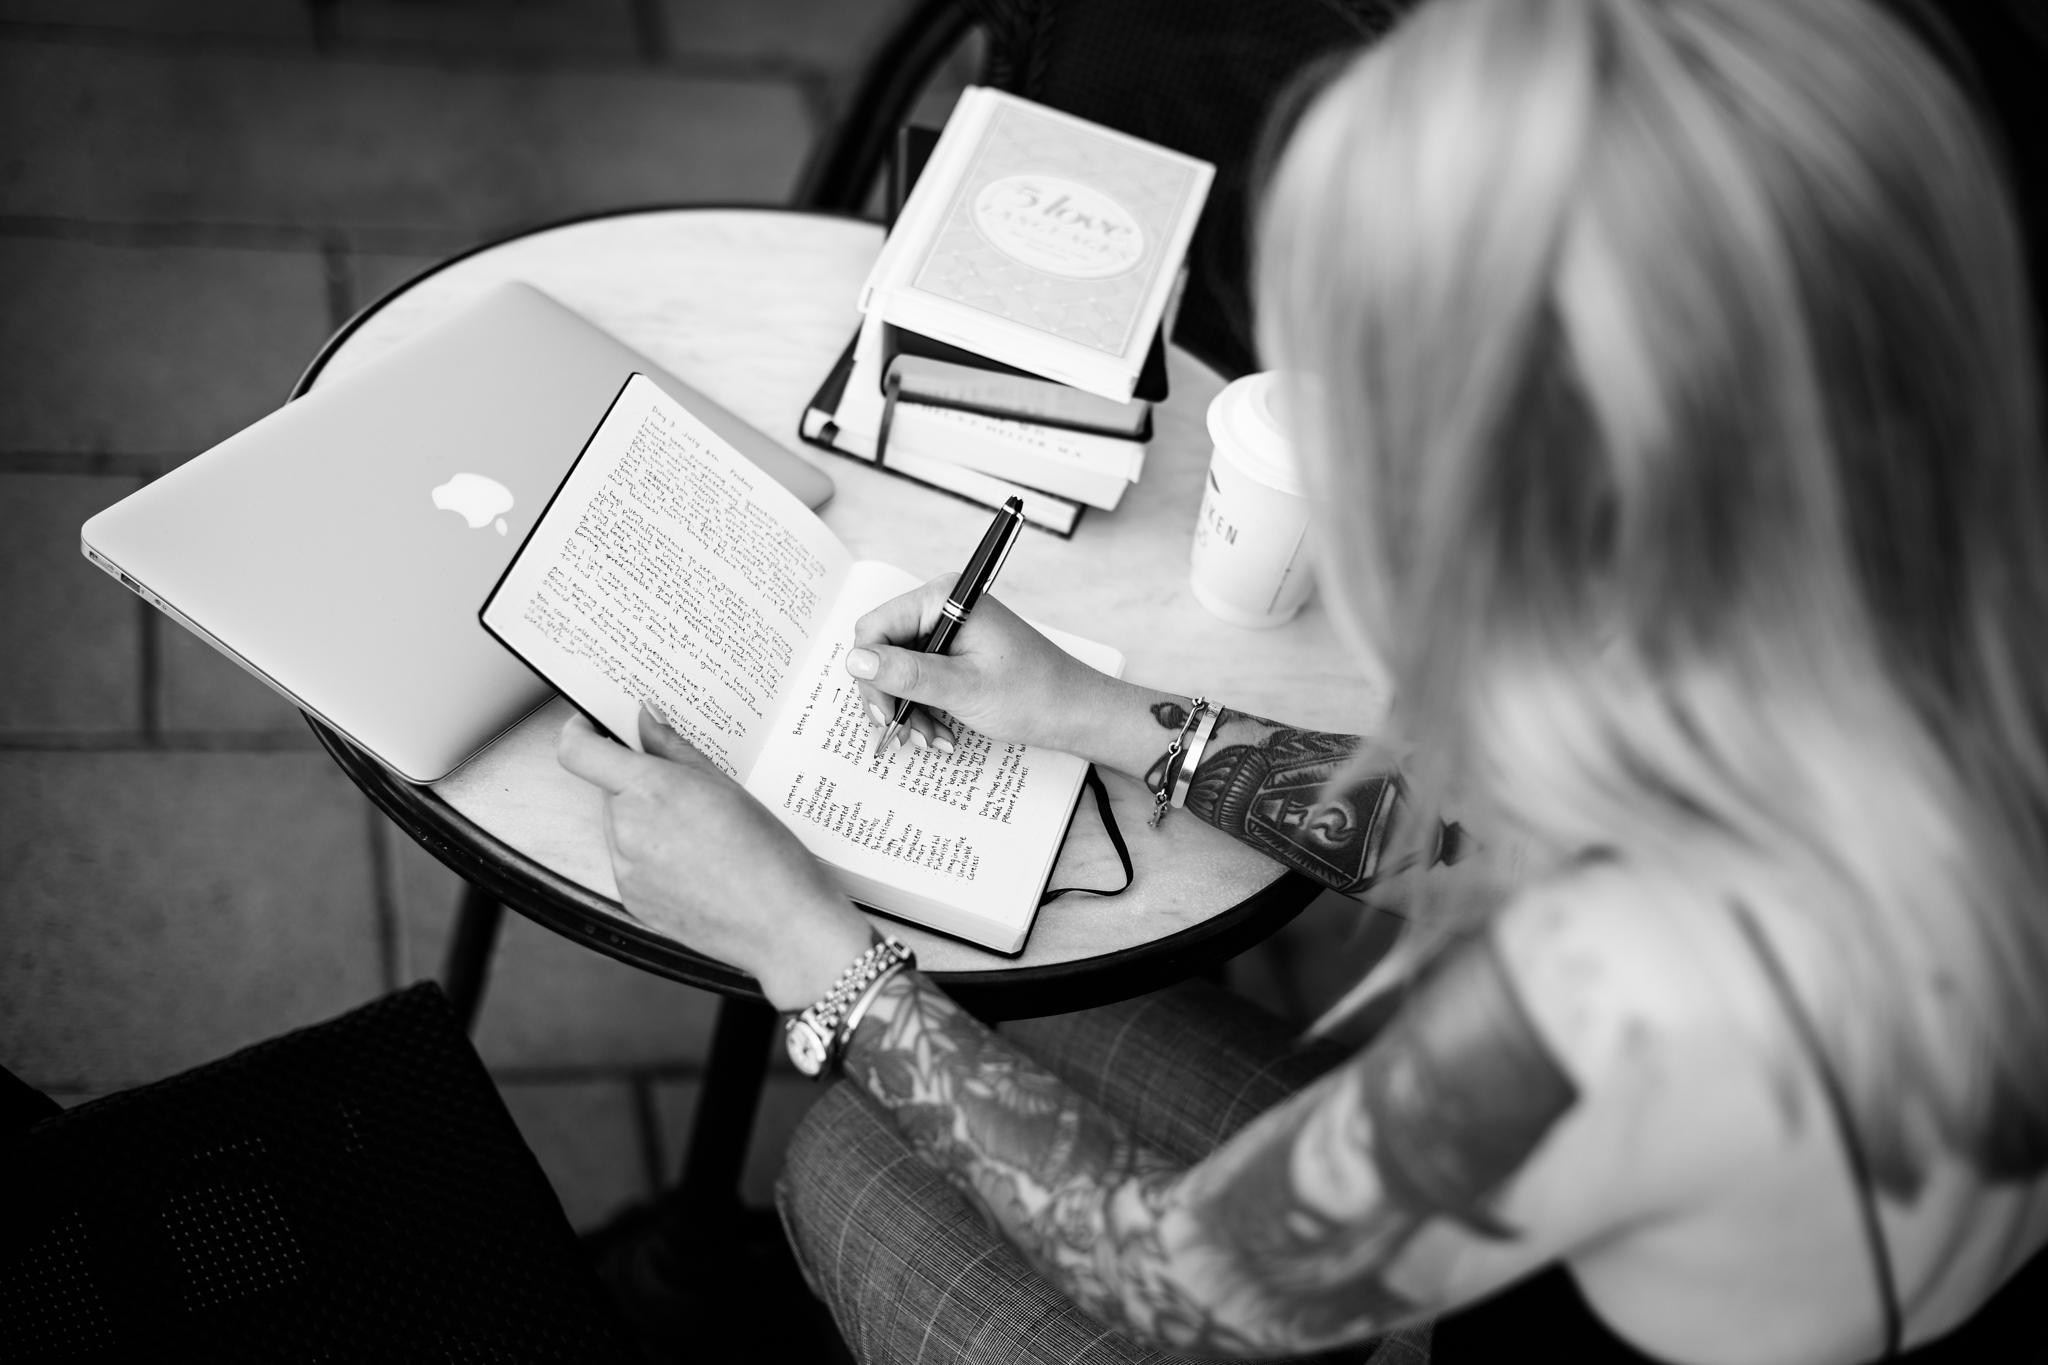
(479, 500)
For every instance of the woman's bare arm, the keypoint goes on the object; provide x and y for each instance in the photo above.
(1325, 1221)
(1258, 780)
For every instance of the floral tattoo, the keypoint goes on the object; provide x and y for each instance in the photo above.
(1292, 1235)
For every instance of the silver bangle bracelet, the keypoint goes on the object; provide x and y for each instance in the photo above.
(1193, 757)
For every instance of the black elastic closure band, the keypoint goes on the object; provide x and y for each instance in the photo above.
(1093, 780)
(891, 388)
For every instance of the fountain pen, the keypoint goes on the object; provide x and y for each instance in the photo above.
(975, 579)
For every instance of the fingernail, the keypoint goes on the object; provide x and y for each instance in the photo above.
(902, 736)
(862, 663)
(942, 744)
(917, 739)
(879, 716)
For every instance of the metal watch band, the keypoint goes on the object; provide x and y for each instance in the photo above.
(813, 1036)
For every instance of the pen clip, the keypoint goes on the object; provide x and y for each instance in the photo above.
(1009, 542)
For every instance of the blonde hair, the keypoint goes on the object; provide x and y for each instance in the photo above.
(1668, 395)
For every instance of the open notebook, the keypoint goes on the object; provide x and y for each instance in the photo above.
(669, 572)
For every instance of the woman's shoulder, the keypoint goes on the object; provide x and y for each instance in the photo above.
(1615, 963)
(1641, 988)
(1702, 1126)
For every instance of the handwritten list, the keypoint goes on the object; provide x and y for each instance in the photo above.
(670, 573)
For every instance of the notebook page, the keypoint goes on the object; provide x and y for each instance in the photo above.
(977, 828)
(671, 572)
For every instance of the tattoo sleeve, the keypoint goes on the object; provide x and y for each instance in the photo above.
(1267, 784)
(1290, 1236)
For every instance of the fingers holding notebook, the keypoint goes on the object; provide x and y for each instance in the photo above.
(700, 859)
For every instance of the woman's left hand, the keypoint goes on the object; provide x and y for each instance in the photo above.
(698, 858)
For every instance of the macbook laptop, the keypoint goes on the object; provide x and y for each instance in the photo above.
(339, 549)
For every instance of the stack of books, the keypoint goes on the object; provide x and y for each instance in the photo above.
(1013, 332)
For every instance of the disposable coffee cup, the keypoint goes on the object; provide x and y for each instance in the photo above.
(1251, 558)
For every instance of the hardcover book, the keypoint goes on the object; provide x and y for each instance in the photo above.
(932, 372)
(939, 375)
(1055, 470)
(1041, 241)
(669, 572)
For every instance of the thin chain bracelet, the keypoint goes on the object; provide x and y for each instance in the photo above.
(1162, 797)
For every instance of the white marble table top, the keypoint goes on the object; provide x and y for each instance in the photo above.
(752, 307)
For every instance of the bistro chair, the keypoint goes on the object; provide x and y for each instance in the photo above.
(1199, 76)
(351, 1191)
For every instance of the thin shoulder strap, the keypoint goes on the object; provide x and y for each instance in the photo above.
(1845, 1129)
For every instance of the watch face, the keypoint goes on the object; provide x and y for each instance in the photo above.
(807, 1049)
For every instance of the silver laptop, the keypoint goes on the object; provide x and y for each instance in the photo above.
(340, 548)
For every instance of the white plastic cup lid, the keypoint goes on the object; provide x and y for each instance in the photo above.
(1244, 420)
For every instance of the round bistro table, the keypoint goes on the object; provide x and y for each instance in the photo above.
(753, 306)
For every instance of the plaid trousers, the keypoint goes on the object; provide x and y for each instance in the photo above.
(912, 1273)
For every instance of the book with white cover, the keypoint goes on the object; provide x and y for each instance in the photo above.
(1042, 241)
(669, 573)
(1092, 469)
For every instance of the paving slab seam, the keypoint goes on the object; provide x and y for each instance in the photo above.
(678, 63)
(92, 463)
(244, 236)
(176, 741)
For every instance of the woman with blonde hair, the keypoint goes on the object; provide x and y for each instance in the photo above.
(1664, 377)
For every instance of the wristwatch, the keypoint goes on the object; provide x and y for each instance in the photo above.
(817, 1037)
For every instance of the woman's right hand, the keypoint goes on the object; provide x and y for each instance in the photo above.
(1000, 677)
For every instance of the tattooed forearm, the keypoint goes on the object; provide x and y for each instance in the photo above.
(1266, 783)
(1291, 1236)
(1170, 714)
(1062, 1180)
